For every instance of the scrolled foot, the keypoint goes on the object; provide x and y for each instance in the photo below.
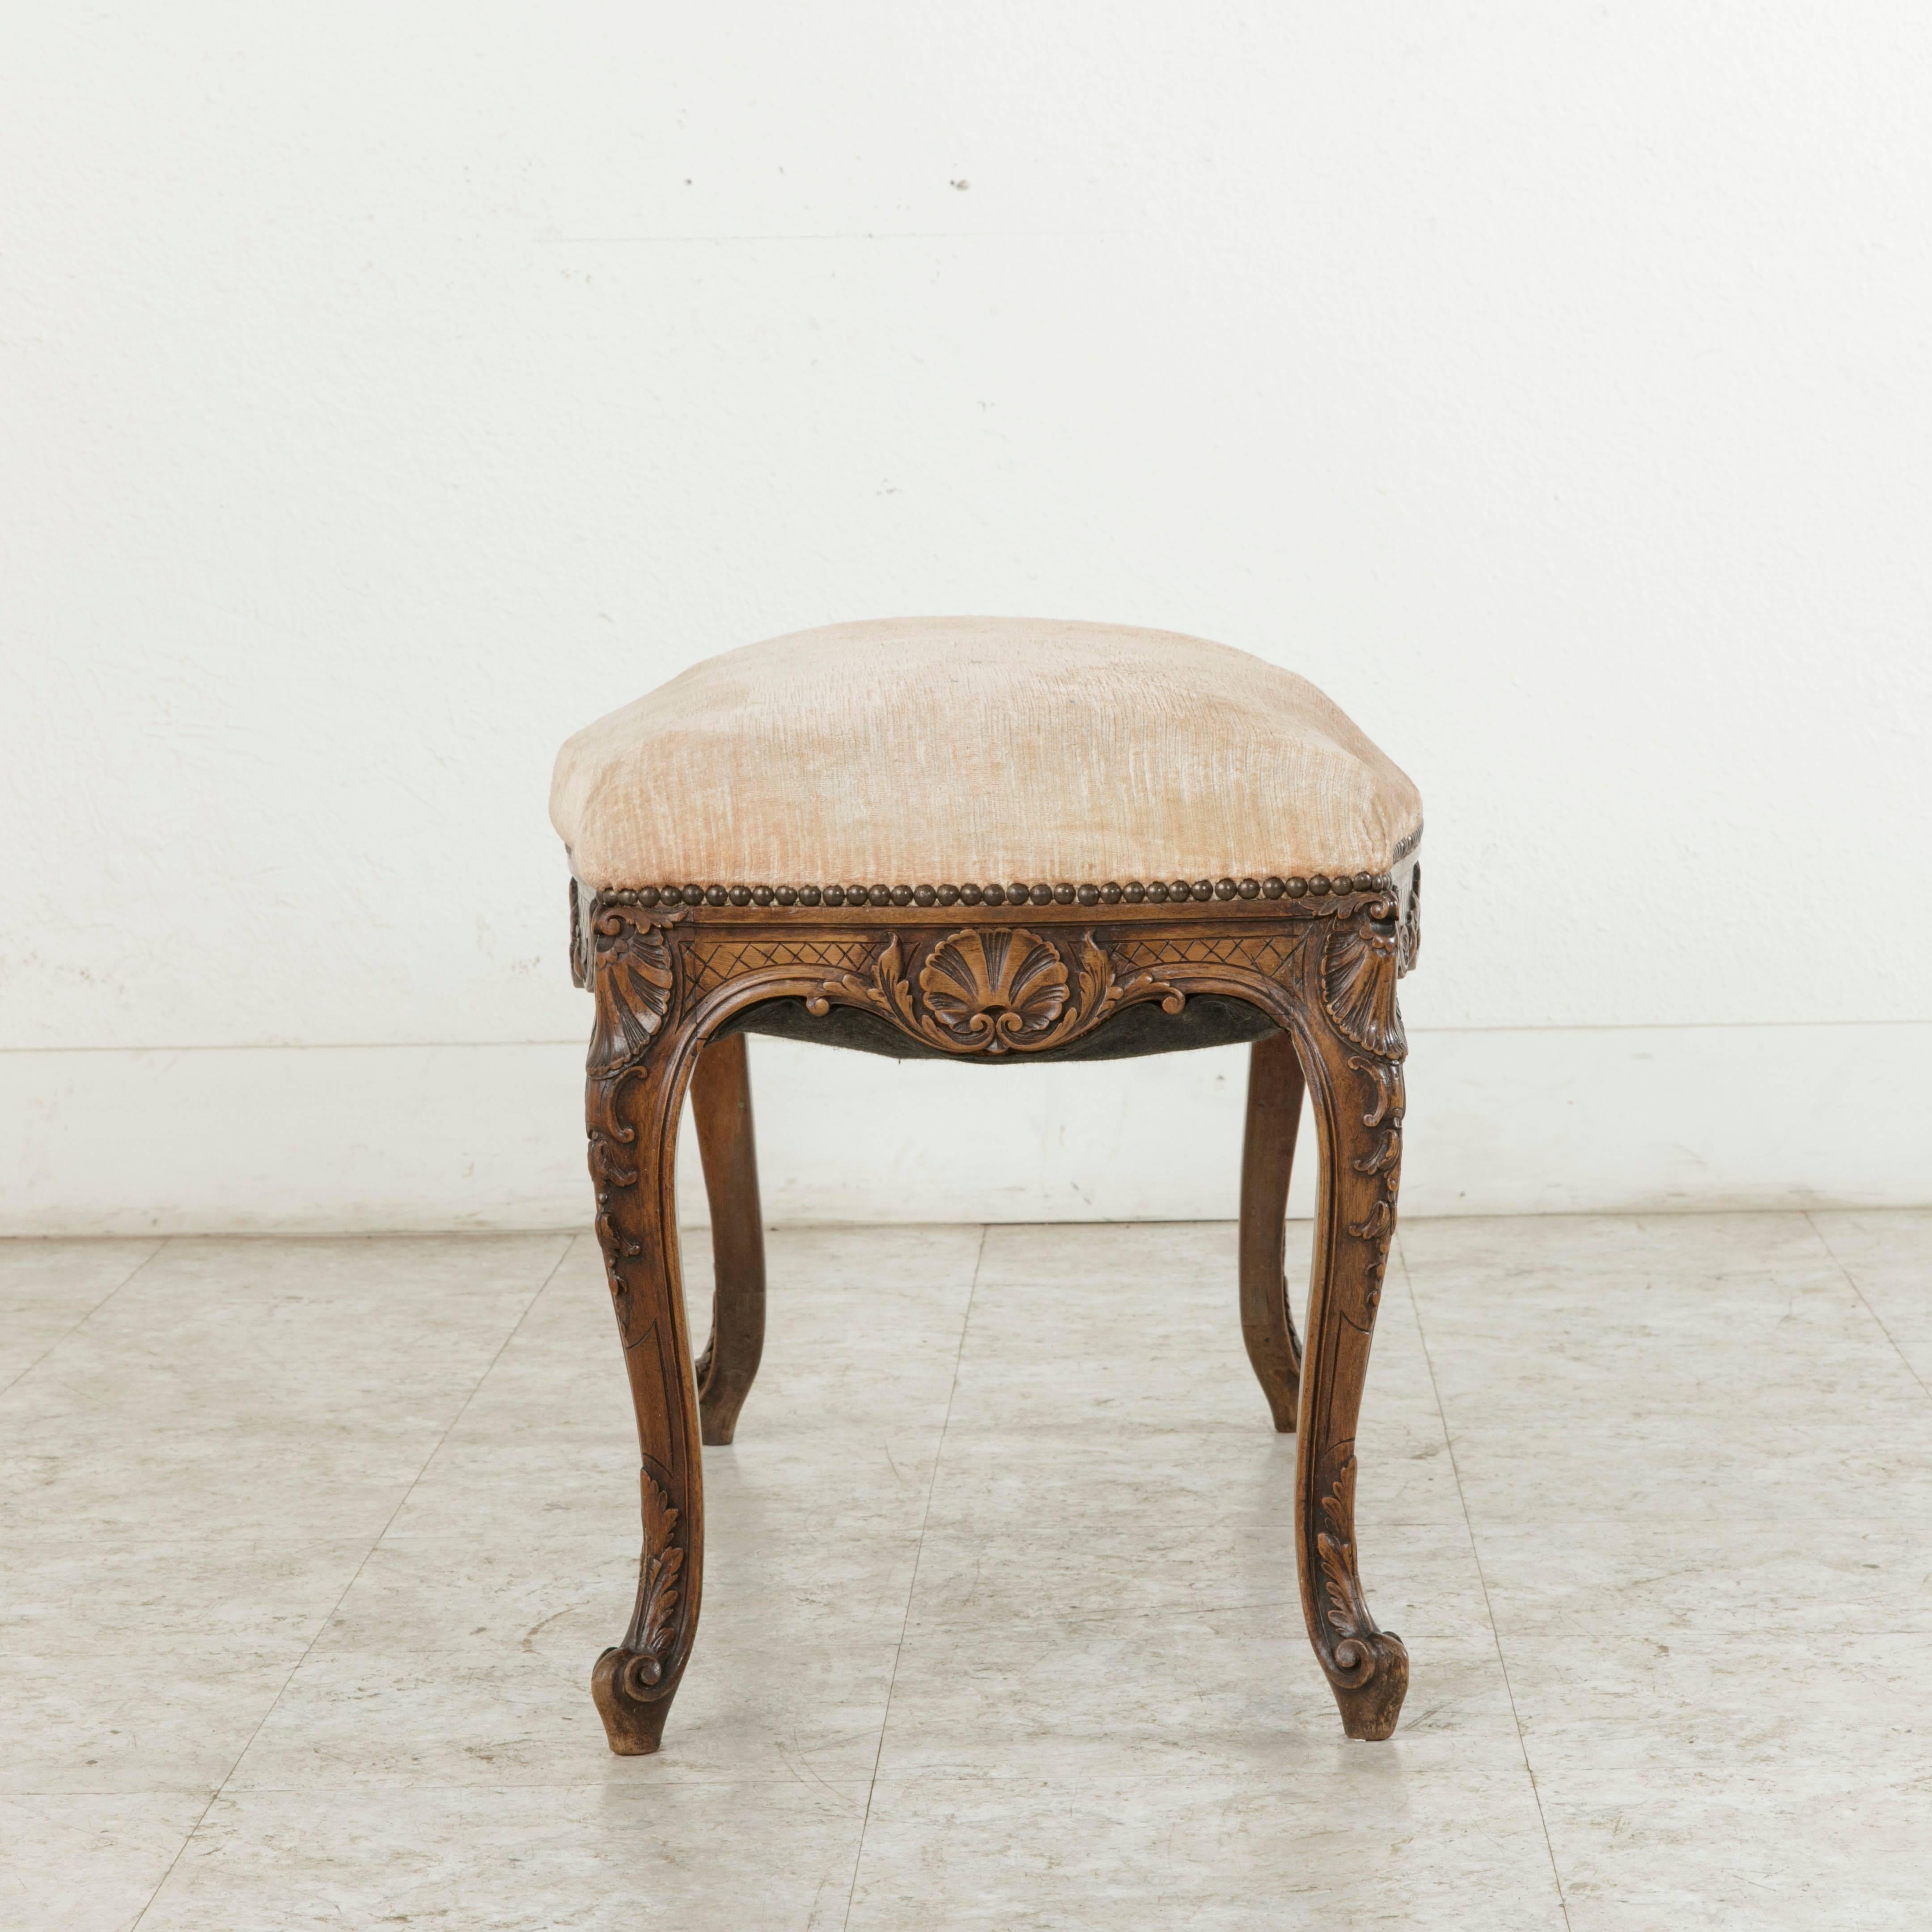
(1369, 1677)
(633, 1719)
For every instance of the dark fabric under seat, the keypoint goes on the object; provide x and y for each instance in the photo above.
(1207, 1020)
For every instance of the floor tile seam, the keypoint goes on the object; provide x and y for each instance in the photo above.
(188, 1794)
(1319, 1778)
(1716, 1638)
(1287, 1605)
(1697, 1400)
(1748, 1363)
(912, 1585)
(1544, 1430)
(1812, 1516)
(569, 1242)
(423, 1470)
(1476, 1556)
(67, 1334)
(1720, 1636)
(642, 1793)
(1309, 1786)
(943, 1627)
(1851, 1282)
(1627, 1349)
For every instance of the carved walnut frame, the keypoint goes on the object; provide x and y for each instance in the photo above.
(986, 982)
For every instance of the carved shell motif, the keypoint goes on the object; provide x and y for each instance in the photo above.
(632, 978)
(994, 990)
(1359, 966)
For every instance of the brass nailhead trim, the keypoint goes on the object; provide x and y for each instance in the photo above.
(1157, 892)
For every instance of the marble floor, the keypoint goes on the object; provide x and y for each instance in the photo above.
(307, 1548)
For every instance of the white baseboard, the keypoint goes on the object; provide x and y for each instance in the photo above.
(323, 1139)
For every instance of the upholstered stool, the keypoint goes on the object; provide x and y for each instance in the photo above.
(988, 840)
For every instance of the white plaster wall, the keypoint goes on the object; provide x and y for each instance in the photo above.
(388, 391)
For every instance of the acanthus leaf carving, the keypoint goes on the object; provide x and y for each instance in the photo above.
(608, 1172)
(1382, 1164)
(627, 956)
(661, 1565)
(1411, 921)
(883, 990)
(1346, 1609)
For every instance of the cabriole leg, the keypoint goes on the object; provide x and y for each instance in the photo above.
(637, 1066)
(721, 1100)
(1354, 1047)
(1268, 1159)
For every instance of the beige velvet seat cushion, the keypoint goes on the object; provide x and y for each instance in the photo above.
(940, 750)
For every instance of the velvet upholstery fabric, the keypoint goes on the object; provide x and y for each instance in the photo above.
(947, 750)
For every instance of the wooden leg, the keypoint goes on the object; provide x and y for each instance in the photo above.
(1268, 1159)
(1353, 1049)
(721, 1098)
(639, 1060)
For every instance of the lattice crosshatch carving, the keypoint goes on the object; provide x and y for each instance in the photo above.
(711, 962)
(1268, 955)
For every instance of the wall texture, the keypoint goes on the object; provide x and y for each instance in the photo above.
(388, 391)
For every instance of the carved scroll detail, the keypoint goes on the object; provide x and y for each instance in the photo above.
(1411, 922)
(994, 990)
(1383, 1164)
(1359, 967)
(608, 1172)
(627, 963)
(662, 1564)
(1354, 1660)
